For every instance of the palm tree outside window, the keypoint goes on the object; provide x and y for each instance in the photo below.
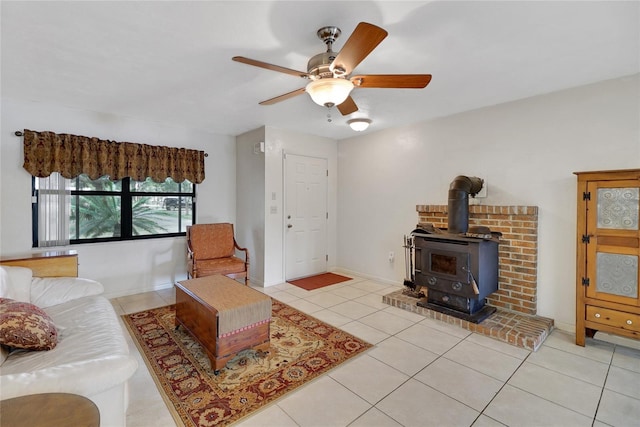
(105, 210)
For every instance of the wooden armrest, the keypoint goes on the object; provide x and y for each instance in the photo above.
(245, 250)
(190, 252)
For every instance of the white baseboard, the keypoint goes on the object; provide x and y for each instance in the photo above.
(112, 295)
(615, 339)
(366, 276)
(567, 327)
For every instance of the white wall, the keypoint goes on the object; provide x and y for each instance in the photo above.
(261, 188)
(527, 152)
(279, 141)
(250, 201)
(123, 267)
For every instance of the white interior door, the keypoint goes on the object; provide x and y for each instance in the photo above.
(305, 216)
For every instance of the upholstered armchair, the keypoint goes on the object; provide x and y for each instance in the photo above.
(211, 250)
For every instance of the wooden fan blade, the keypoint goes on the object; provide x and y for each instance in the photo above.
(270, 66)
(283, 97)
(362, 41)
(396, 81)
(348, 106)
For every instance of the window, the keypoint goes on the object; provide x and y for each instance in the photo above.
(105, 210)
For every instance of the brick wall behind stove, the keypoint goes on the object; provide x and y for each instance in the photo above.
(518, 250)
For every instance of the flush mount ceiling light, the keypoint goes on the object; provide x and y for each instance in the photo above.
(329, 91)
(359, 124)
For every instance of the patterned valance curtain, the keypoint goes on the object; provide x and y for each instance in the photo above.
(72, 155)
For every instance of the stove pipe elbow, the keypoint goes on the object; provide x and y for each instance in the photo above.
(459, 190)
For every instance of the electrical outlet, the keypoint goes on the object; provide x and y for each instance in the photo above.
(483, 191)
(391, 256)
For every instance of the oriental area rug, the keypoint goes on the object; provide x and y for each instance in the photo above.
(302, 348)
(318, 281)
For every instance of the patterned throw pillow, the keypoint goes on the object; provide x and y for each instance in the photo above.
(24, 325)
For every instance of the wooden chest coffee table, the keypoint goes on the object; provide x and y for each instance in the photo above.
(225, 316)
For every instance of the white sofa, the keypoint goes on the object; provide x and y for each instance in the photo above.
(91, 357)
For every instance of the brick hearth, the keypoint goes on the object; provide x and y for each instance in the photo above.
(515, 320)
(521, 330)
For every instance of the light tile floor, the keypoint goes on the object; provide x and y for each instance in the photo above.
(423, 372)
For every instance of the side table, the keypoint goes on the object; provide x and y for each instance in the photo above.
(49, 410)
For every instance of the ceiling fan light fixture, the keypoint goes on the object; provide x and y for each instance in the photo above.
(359, 124)
(329, 91)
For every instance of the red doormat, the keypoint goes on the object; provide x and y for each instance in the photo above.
(318, 281)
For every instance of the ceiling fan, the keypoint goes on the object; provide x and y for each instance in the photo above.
(329, 72)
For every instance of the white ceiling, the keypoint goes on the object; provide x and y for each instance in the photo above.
(170, 61)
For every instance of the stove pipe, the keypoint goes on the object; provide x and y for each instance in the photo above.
(459, 190)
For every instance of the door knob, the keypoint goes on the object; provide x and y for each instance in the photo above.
(289, 226)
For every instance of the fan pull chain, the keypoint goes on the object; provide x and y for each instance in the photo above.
(329, 115)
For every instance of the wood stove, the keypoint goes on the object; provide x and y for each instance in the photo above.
(458, 266)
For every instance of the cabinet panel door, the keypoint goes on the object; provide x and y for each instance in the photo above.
(614, 232)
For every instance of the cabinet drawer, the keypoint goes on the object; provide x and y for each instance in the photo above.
(618, 319)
